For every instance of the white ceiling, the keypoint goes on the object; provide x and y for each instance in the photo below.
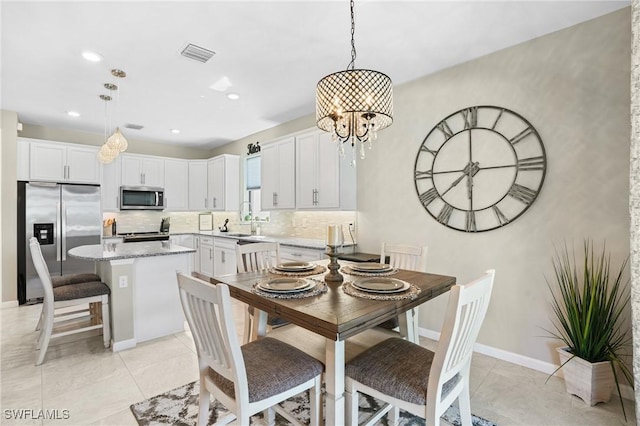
(274, 53)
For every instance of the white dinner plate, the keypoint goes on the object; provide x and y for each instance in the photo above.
(381, 285)
(371, 267)
(295, 266)
(285, 285)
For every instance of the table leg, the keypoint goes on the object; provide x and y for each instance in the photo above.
(334, 381)
(407, 323)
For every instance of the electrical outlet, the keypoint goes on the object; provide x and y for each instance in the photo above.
(122, 281)
(352, 227)
(293, 222)
(304, 223)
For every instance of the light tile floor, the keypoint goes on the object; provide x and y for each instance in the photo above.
(97, 386)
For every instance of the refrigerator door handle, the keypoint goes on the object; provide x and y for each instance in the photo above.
(157, 200)
(57, 231)
(64, 232)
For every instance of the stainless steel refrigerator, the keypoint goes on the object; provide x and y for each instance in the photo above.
(61, 217)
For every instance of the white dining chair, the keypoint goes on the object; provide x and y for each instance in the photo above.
(246, 379)
(251, 258)
(70, 308)
(410, 377)
(413, 258)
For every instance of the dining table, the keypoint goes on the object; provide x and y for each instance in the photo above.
(334, 316)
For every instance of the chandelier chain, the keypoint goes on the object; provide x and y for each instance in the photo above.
(352, 64)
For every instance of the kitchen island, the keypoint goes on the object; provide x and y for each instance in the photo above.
(145, 303)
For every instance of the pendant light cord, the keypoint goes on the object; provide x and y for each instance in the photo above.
(352, 64)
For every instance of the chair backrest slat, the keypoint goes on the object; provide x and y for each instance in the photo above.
(465, 313)
(257, 256)
(403, 256)
(43, 274)
(207, 308)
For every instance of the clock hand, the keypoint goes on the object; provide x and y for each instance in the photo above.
(473, 168)
(469, 171)
(455, 182)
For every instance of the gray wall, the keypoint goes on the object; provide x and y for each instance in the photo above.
(573, 86)
(8, 201)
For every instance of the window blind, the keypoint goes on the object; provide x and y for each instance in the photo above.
(252, 172)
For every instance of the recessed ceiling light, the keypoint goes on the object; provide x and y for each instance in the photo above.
(176, 131)
(233, 96)
(73, 114)
(91, 56)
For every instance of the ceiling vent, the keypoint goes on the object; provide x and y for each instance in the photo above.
(197, 53)
(133, 126)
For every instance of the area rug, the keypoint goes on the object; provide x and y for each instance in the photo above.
(180, 407)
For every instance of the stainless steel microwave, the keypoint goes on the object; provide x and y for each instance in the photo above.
(141, 198)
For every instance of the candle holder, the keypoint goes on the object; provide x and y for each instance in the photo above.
(333, 276)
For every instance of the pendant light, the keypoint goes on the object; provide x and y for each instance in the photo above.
(355, 104)
(106, 154)
(117, 141)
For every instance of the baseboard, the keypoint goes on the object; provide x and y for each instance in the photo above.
(524, 361)
(124, 344)
(9, 304)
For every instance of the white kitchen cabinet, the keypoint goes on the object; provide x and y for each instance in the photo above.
(185, 240)
(317, 171)
(205, 253)
(176, 184)
(197, 185)
(299, 254)
(224, 256)
(223, 183)
(141, 170)
(22, 172)
(278, 172)
(196, 256)
(110, 188)
(59, 162)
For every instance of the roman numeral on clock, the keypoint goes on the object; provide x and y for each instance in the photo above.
(531, 163)
(502, 219)
(423, 175)
(428, 196)
(471, 221)
(445, 129)
(423, 148)
(445, 214)
(522, 193)
(523, 134)
(470, 116)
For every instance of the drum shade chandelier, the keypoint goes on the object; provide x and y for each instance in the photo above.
(116, 143)
(355, 104)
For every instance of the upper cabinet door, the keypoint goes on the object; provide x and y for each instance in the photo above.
(82, 165)
(223, 178)
(176, 187)
(58, 162)
(317, 171)
(278, 172)
(140, 170)
(131, 167)
(197, 185)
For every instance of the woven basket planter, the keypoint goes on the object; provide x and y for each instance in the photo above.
(592, 383)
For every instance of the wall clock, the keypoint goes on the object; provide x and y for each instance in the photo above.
(480, 168)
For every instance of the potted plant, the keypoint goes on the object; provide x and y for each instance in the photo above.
(588, 300)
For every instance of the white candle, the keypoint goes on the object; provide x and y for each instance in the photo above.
(334, 235)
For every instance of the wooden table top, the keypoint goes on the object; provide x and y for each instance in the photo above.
(335, 314)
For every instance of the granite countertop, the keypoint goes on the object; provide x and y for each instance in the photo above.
(115, 251)
(311, 243)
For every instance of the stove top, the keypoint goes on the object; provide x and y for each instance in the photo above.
(136, 237)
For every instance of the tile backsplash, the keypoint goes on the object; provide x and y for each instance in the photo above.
(301, 224)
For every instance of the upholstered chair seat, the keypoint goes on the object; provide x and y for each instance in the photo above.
(80, 290)
(74, 279)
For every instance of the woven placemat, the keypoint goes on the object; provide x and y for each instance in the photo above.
(319, 269)
(319, 288)
(346, 269)
(411, 293)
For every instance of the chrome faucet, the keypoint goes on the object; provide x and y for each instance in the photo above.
(254, 225)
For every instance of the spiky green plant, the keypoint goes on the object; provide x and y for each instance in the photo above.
(588, 306)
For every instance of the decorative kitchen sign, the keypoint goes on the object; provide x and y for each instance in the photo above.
(480, 168)
(253, 148)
